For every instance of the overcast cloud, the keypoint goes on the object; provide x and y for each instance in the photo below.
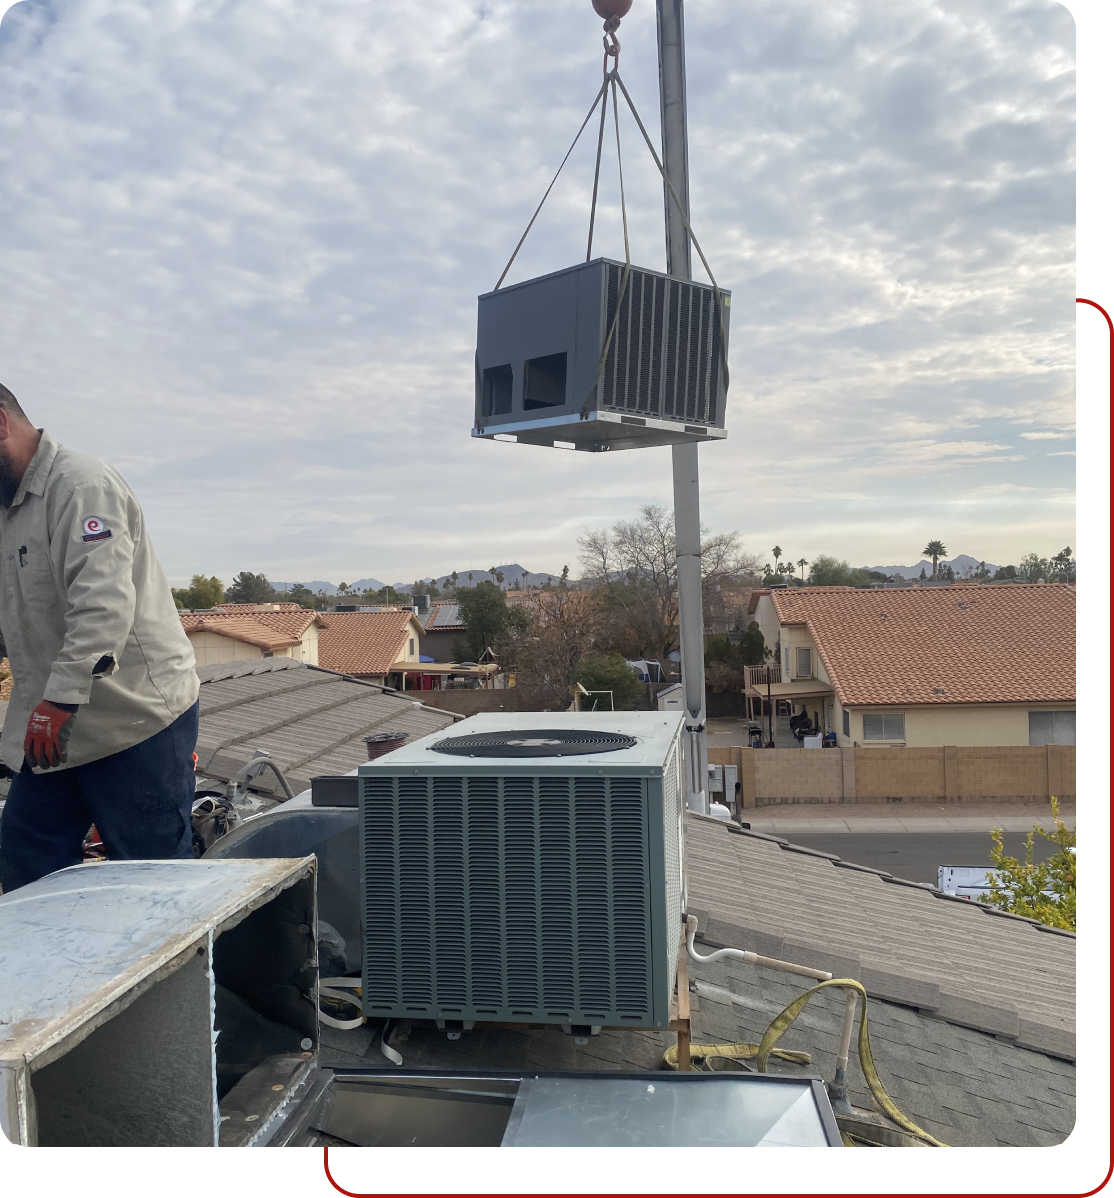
(241, 241)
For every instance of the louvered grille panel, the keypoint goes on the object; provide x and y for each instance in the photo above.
(381, 891)
(524, 898)
(558, 956)
(664, 356)
(485, 894)
(450, 957)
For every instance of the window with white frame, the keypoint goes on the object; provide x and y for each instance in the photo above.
(1052, 727)
(884, 725)
(804, 662)
(846, 723)
(411, 646)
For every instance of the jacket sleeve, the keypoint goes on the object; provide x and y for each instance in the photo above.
(92, 550)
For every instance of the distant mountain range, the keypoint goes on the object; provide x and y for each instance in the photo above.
(330, 588)
(958, 564)
(513, 575)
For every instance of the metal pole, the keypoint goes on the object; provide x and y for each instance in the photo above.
(686, 460)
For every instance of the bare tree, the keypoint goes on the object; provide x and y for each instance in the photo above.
(634, 566)
(554, 631)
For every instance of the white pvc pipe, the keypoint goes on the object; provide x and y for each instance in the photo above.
(751, 958)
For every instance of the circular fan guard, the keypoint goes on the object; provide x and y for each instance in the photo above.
(534, 742)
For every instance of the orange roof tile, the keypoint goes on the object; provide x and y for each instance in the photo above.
(262, 626)
(1081, 672)
(962, 644)
(363, 642)
(242, 628)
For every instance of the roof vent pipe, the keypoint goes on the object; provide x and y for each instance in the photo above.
(381, 743)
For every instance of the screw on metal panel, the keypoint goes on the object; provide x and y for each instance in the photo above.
(306, 1043)
(303, 928)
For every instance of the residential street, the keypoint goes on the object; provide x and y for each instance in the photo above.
(908, 840)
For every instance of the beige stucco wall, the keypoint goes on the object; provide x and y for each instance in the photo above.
(213, 650)
(968, 724)
(414, 634)
(307, 650)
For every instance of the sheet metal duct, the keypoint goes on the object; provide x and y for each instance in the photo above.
(157, 1002)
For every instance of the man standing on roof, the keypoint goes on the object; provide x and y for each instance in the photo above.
(102, 721)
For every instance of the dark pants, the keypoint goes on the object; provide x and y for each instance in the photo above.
(140, 800)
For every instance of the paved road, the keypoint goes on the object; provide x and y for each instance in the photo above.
(916, 855)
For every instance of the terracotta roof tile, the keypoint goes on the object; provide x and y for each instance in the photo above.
(962, 644)
(242, 628)
(363, 642)
(1081, 672)
(286, 618)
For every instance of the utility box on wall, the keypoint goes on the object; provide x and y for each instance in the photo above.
(539, 346)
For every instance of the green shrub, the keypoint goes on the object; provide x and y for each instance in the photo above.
(1041, 890)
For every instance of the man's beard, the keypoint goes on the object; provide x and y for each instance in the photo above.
(9, 479)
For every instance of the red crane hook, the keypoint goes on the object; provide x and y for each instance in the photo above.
(612, 10)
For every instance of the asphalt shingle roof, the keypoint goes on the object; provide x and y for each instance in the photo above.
(967, 964)
(961, 644)
(311, 720)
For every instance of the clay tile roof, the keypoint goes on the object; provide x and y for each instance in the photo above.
(241, 628)
(363, 642)
(285, 626)
(1081, 671)
(962, 644)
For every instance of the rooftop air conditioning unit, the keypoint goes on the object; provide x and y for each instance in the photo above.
(539, 346)
(526, 868)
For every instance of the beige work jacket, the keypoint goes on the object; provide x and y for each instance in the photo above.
(86, 613)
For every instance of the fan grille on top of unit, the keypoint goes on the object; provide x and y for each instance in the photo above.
(534, 742)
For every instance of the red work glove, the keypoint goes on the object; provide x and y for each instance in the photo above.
(48, 730)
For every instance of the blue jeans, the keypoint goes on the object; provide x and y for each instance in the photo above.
(140, 800)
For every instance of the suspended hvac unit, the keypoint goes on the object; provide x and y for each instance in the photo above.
(541, 345)
(525, 868)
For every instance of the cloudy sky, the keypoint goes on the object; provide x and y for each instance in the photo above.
(241, 241)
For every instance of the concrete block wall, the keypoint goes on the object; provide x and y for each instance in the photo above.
(942, 775)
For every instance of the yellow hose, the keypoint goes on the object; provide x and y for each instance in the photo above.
(782, 1023)
(734, 1052)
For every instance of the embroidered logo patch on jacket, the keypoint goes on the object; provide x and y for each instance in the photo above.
(94, 529)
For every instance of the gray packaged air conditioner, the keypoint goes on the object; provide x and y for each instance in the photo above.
(525, 868)
(539, 345)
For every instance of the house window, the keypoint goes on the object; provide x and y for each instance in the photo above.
(411, 646)
(884, 725)
(847, 724)
(1052, 727)
(804, 663)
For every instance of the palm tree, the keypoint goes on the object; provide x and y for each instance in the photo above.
(777, 554)
(802, 562)
(934, 550)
